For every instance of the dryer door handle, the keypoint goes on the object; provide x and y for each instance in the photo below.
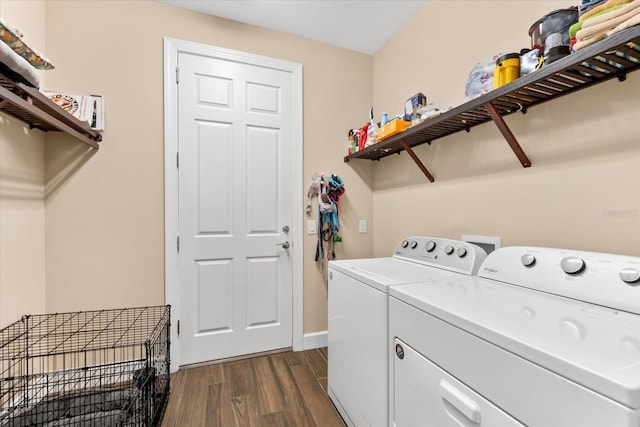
(460, 401)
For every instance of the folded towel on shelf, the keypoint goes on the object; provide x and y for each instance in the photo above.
(606, 21)
(17, 68)
(606, 5)
(634, 20)
(581, 44)
(573, 30)
(600, 27)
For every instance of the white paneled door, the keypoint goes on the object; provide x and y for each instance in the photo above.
(235, 193)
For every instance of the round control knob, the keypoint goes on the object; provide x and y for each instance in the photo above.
(630, 274)
(528, 260)
(430, 246)
(448, 249)
(404, 243)
(572, 265)
(413, 244)
(461, 252)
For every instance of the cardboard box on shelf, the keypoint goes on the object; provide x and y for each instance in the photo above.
(391, 128)
(87, 108)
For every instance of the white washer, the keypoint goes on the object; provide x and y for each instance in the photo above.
(542, 337)
(358, 381)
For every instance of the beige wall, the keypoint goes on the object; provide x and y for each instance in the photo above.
(104, 212)
(22, 190)
(583, 190)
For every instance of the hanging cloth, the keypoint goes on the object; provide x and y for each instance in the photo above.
(314, 190)
(329, 192)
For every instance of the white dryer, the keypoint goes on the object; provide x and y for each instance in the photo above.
(542, 337)
(358, 379)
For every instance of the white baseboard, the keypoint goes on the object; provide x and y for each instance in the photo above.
(315, 340)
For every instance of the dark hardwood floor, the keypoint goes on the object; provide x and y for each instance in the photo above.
(277, 390)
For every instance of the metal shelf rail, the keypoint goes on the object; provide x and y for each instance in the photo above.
(34, 108)
(613, 57)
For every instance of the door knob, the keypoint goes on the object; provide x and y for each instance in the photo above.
(284, 244)
(285, 228)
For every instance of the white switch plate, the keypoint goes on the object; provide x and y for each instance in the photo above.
(311, 226)
(362, 226)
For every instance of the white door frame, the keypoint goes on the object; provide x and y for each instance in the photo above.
(172, 47)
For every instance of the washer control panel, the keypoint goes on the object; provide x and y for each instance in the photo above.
(605, 279)
(453, 255)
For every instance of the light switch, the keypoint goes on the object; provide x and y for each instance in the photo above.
(363, 226)
(311, 226)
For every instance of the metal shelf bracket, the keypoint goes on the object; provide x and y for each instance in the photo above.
(415, 158)
(507, 134)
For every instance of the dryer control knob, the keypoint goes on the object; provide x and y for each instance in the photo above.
(528, 260)
(461, 252)
(430, 246)
(448, 249)
(572, 265)
(404, 243)
(414, 244)
(630, 275)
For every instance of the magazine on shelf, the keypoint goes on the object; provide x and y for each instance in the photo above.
(87, 108)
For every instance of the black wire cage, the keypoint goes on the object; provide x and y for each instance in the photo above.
(90, 368)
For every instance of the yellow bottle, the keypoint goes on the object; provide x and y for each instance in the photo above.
(507, 69)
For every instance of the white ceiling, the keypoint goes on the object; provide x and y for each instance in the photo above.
(360, 25)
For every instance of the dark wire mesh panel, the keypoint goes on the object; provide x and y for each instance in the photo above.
(90, 368)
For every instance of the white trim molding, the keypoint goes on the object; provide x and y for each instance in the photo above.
(316, 340)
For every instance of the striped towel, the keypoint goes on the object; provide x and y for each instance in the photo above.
(607, 5)
(602, 26)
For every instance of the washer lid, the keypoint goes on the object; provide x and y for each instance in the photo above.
(594, 346)
(384, 272)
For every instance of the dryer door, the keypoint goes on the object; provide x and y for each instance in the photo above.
(425, 395)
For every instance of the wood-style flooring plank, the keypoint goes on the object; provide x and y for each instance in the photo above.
(268, 390)
(315, 399)
(325, 353)
(241, 378)
(199, 404)
(296, 410)
(217, 373)
(276, 419)
(323, 383)
(252, 409)
(283, 390)
(315, 361)
(171, 415)
(194, 406)
(245, 409)
(219, 411)
(295, 358)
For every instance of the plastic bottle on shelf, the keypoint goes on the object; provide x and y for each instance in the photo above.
(351, 142)
(372, 133)
(372, 136)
